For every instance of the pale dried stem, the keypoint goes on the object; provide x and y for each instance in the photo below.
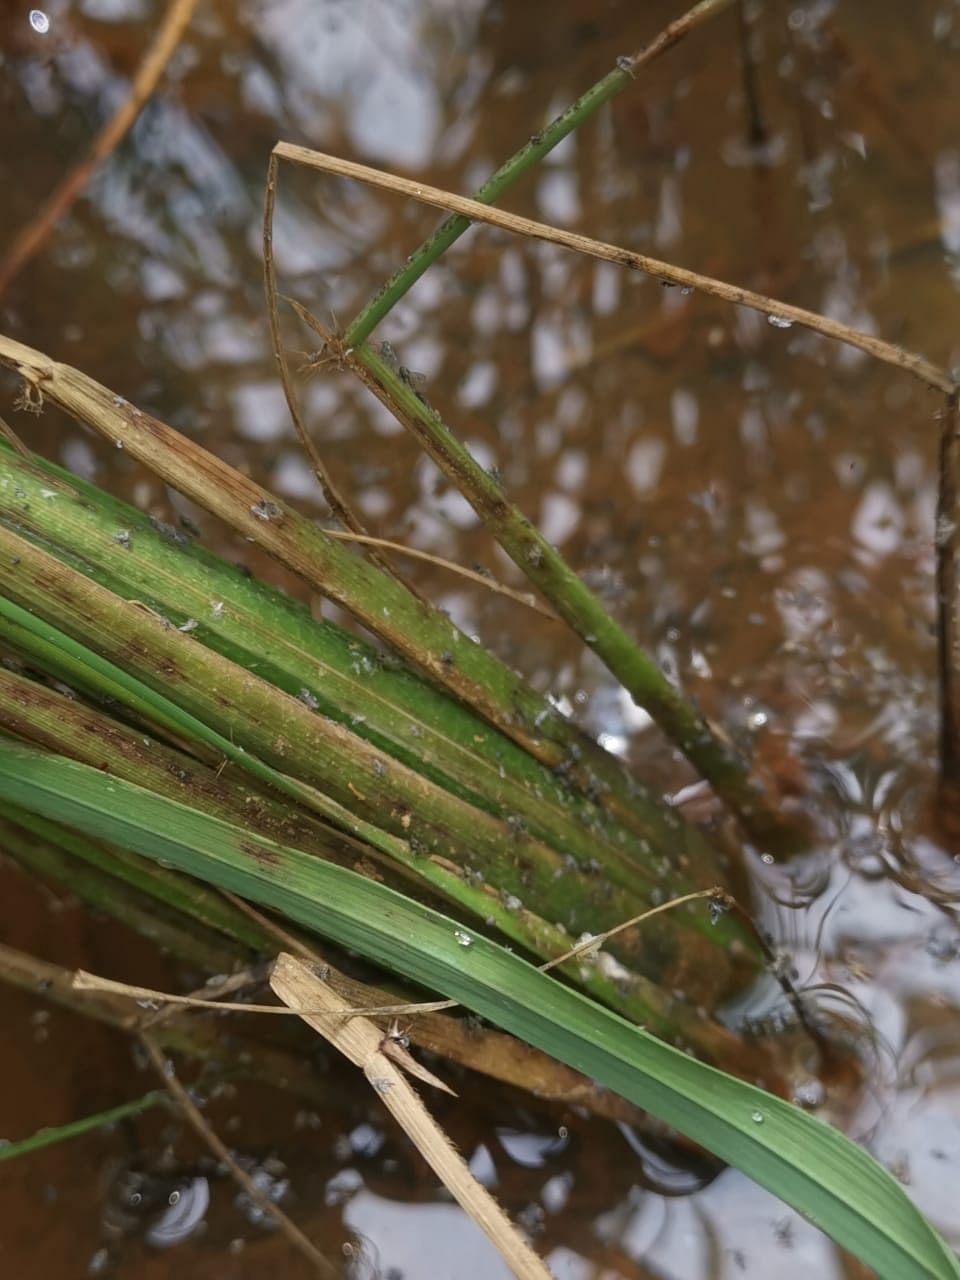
(886, 352)
(363, 1044)
(491, 584)
(336, 501)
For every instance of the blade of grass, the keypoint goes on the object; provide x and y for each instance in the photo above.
(804, 1162)
(58, 856)
(635, 994)
(71, 727)
(73, 863)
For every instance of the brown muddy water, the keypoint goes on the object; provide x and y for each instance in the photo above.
(756, 505)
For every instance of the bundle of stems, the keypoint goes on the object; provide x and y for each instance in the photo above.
(157, 630)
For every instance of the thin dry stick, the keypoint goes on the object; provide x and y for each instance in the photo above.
(84, 981)
(716, 894)
(13, 439)
(216, 989)
(33, 236)
(336, 501)
(323, 1266)
(363, 1043)
(521, 597)
(784, 312)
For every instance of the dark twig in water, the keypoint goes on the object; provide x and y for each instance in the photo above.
(164, 1068)
(757, 133)
(828, 1053)
(32, 237)
(947, 540)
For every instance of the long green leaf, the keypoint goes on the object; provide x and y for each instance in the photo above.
(807, 1164)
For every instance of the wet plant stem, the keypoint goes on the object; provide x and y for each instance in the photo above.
(77, 1128)
(637, 996)
(420, 633)
(522, 161)
(702, 743)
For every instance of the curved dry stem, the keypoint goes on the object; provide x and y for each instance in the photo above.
(337, 502)
(491, 584)
(35, 234)
(782, 312)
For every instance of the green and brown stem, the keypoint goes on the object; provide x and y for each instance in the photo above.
(621, 77)
(703, 744)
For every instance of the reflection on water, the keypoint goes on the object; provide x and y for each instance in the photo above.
(755, 504)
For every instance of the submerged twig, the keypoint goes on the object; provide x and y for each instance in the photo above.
(756, 126)
(947, 540)
(33, 236)
(164, 1068)
(784, 312)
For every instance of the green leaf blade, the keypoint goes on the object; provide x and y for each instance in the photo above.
(807, 1164)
